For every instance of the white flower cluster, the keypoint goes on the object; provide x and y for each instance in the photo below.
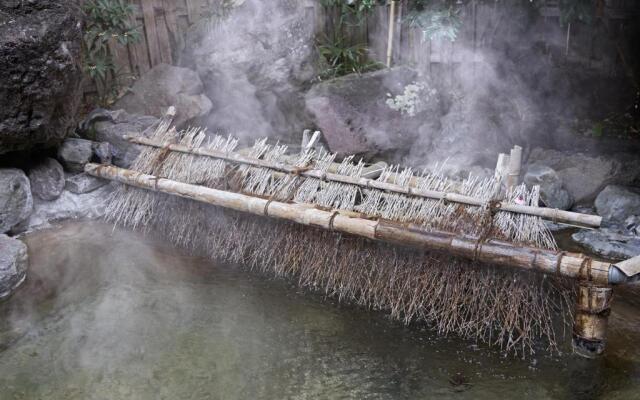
(412, 101)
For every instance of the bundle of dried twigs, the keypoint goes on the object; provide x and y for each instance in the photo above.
(513, 309)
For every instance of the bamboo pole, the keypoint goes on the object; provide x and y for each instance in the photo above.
(576, 266)
(555, 215)
(392, 28)
(514, 167)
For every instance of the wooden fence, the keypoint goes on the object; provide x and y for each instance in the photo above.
(164, 23)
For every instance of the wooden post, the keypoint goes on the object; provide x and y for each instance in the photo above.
(149, 14)
(593, 307)
(392, 28)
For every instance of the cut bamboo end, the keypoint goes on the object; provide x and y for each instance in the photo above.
(555, 215)
(575, 266)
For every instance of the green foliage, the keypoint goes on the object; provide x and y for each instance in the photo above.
(106, 20)
(436, 20)
(343, 59)
(352, 9)
(576, 10)
(340, 57)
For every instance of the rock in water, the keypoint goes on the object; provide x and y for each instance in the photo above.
(47, 179)
(584, 176)
(609, 242)
(16, 202)
(551, 191)
(617, 203)
(13, 265)
(67, 206)
(40, 72)
(165, 86)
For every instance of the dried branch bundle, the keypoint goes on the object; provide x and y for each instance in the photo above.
(514, 310)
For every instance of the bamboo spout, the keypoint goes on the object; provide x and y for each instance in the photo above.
(575, 266)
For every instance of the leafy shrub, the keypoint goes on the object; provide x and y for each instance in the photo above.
(106, 20)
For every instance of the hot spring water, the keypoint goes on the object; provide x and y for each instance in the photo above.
(114, 315)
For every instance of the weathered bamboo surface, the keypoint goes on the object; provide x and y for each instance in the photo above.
(555, 215)
(576, 266)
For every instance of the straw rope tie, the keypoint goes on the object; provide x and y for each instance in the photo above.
(332, 219)
(586, 264)
(561, 254)
(265, 212)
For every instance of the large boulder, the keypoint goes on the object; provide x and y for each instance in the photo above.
(112, 128)
(13, 265)
(165, 86)
(256, 64)
(618, 203)
(354, 114)
(583, 175)
(552, 193)
(47, 179)
(16, 202)
(40, 84)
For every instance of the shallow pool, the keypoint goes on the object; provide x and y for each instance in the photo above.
(115, 315)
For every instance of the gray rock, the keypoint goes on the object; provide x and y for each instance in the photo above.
(41, 84)
(121, 123)
(103, 152)
(617, 203)
(165, 86)
(67, 206)
(552, 192)
(353, 114)
(585, 176)
(632, 225)
(75, 153)
(47, 179)
(609, 242)
(13, 265)
(16, 201)
(83, 183)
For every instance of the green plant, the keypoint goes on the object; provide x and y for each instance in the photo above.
(340, 56)
(576, 10)
(106, 21)
(343, 59)
(352, 11)
(436, 21)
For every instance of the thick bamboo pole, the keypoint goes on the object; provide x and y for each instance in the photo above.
(555, 215)
(392, 29)
(495, 252)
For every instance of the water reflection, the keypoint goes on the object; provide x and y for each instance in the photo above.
(113, 315)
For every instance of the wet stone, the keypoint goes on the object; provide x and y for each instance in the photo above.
(13, 265)
(16, 201)
(84, 183)
(47, 179)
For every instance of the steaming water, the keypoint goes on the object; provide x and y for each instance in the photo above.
(114, 315)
